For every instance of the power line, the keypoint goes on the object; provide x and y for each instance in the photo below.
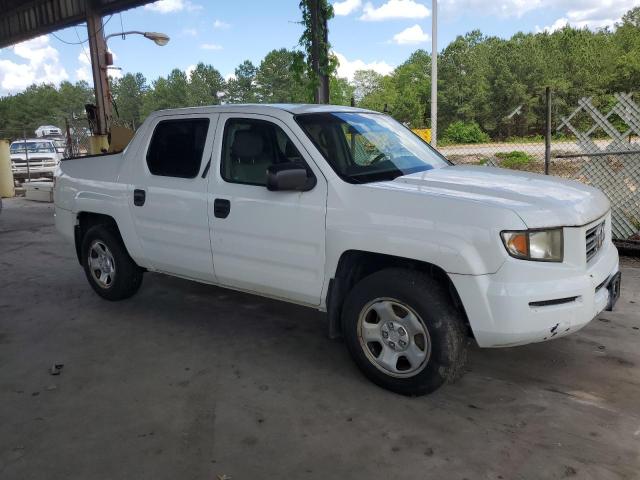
(68, 43)
(80, 42)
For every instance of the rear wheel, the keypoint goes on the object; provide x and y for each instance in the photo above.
(404, 332)
(111, 272)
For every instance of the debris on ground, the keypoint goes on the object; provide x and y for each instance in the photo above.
(56, 369)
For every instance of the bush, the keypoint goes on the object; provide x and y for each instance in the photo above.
(516, 160)
(461, 132)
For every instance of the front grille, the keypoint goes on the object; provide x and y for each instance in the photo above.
(37, 161)
(594, 239)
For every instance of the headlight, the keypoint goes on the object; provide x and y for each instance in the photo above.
(538, 245)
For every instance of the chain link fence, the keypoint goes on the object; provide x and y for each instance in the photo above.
(36, 151)
(77, 135)
(596, 141)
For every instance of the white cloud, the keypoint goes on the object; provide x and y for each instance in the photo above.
(83, 58)
(84, 71)
(346, 7)
(346, 68)
(394, 9)
(591, 14)
(411, 36)
(191, 32)
(210, 46)
(189, 70)
(504, 8)
(171, 6)
(83, 74)
(43, 66)
(559, 24)
(229, 76)
(219, 24)
(599, 14)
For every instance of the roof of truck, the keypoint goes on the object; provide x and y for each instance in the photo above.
(266, 108)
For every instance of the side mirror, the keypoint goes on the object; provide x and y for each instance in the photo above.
(289, 176)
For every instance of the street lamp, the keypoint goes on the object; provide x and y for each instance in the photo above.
(101, 60)
(160, 39)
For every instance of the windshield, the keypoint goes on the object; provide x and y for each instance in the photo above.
(33, 147)
(60, 145)
(368, 147)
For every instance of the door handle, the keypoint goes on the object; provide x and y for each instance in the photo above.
(221, 207)
(139, 196)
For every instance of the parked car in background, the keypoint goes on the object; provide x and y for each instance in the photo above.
(48, 131)
(347, 211)
(43, 156)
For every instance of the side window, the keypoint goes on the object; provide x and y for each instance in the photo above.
(250, 146)
(176, 147)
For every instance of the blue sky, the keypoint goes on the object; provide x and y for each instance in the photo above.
(378, 34)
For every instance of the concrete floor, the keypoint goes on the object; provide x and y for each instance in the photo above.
(187, 381)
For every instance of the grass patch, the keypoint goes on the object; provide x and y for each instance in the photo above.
(516, 160)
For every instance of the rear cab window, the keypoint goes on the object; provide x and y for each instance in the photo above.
(176, 147)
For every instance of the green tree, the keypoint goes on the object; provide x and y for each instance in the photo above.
(626, 72)
(170, 92)
(128, 94)
(242, 88)
(277, 80)
(205, 86)
(340, 91)
(366, 82)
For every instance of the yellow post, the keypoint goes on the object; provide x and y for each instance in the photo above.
(98, 144)
(424, 133)
(6, 175)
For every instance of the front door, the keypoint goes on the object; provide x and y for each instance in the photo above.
(168, 196)
(264, 241)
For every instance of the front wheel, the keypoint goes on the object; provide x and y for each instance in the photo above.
(404, 332)
(111, 272)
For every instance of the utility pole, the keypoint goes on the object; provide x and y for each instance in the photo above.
(324, 64)
(434, 73)
(98, 54)
(547, 132)
(319, 54)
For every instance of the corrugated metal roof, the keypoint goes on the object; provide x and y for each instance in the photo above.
(22, 20)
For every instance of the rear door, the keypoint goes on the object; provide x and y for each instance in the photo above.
(168, 195)
(264, 241)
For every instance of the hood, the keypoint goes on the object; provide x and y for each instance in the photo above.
(541, 201)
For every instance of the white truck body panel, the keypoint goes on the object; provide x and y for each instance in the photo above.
(288, 245)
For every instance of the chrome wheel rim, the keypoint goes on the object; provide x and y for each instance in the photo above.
(393, 337)
(101, 264)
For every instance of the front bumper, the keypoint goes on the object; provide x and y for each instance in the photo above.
(526, 302)
(35, 170)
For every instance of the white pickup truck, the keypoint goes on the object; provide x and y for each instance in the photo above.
(346, 211)
(35, 157)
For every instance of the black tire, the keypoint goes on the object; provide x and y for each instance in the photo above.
(444, 323)
(128, 276)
